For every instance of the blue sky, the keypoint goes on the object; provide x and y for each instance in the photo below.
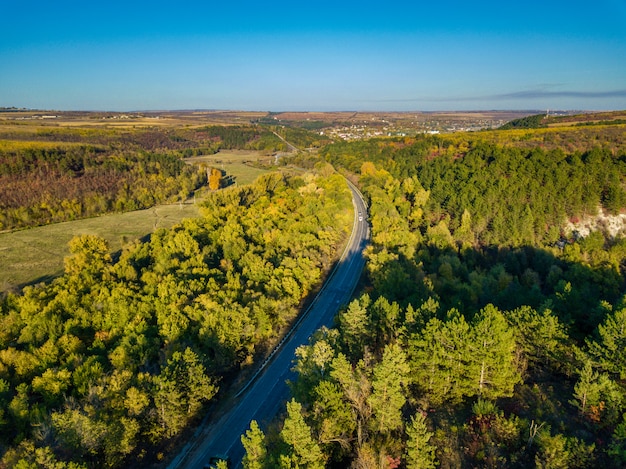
(317, 56)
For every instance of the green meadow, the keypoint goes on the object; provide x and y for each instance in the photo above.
(36, 254)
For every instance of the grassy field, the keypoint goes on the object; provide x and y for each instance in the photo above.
(236, 163)
(36, 254)
(243, 173)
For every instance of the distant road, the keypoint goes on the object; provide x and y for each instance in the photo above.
(265, 397)
(291, 146)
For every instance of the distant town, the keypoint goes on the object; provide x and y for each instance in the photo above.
(347, 126)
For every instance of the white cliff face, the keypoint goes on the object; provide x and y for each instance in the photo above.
(614, 225)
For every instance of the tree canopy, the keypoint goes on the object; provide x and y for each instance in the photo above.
(487, 335)
(110, 362)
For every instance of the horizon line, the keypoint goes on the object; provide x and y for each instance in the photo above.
(537, 110)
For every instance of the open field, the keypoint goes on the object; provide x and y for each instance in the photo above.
(236, 163)
(36, 254)
(127, 119)
(163, 119)
(411, 116)
(243, 173)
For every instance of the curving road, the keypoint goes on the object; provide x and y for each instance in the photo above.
(265, 396)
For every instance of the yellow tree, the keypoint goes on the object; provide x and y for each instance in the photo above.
(215, 179)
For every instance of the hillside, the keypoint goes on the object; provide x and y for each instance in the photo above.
(69, 166)
(487, 334)
(566, 119)
(116, 358)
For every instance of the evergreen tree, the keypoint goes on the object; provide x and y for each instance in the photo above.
(440, 360)
(354, 326)
(333, 417)
(254, 444)
(388, 396)
(617, 447)
(541, 336)
(610, 348)
(597, 396)
(301, 450)
(464, 235)
(492, 350)
(420, 454)
(356, 388)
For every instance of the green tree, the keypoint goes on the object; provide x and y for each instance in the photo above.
(561, 452)
(597, 396)
(385, 322)
(464, 235)
(333, 418)
(170, 405)
(356, 388)
(552, 453)
(440, 360)
(19, 410)
(542, 337)
(492, 348)
(420, 453)
(181, 389)
(439, 235)
(617, 446)
(89, 260)
(79, 431)
(28, 456)
(353, 324)
(314, 362)
(52, 384)
(388, 397)
(301, 450)
(610, 348)
(254, 444)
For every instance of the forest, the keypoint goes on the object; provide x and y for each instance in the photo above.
(485, 335)
(49, 175)
(109, 363)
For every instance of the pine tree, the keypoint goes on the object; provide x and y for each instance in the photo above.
(492, 348)
(333, 417)
(388, 397)
(301, 450)
(597, 396)
(420, 454)
(353, 323)
(254, 444)
(356, 387)
(440, 359)
(610, 349)
(464, 235)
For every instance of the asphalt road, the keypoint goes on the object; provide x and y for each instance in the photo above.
(267, 393)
